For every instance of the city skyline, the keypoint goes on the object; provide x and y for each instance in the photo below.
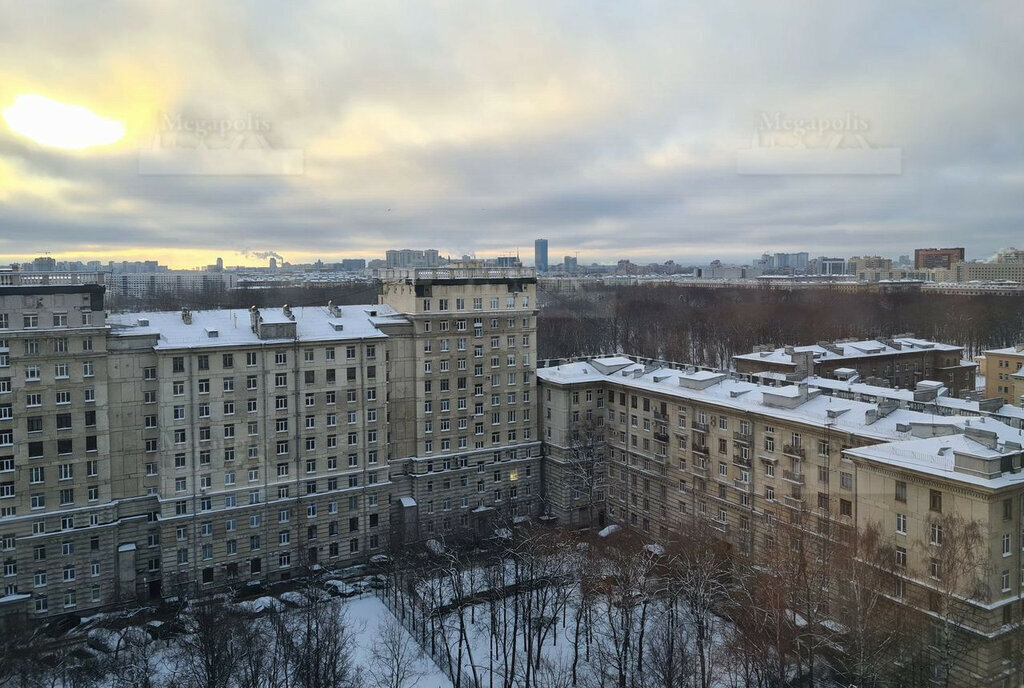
(527, 254)
(526, 121)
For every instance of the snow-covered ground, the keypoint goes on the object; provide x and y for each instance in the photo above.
(369, 613)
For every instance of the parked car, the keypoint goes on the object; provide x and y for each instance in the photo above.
(340, 588)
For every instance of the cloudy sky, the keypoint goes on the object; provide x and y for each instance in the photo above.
(614, 129)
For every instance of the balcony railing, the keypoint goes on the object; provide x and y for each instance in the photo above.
(794, 450)
(661, 436)
(740, 461)
(720, 527)
(741, 485)
(700, 449)
(703, 427)
(793, 502)
(793, 477)
(661, 416)
(744, 437)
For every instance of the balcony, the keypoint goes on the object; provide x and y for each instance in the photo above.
(740, 461)
(701, 449)
(721, 527)
(746, 438)
(794, 450)
(661, 436)
(703, 427)
(793, 477)
(699, 468)
(661, 417)
(742, 485)
(793, 502)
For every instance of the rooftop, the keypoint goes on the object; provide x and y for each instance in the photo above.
(840, 350)
(907, 438)
(232, 327)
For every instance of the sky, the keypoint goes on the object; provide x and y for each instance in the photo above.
(613, 129)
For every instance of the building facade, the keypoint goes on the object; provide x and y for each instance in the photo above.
(946, 258)
(152, 454)
(776, 467)
(1003, 377)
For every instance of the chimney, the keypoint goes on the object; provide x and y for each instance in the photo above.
(186, 316)
(288, 312)
(254, 318)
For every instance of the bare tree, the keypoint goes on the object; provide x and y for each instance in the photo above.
(698, 571)
(956, 550)
(208, 653)
(394, 658)
(670, 662)
(319, 644)
(586, 468)
(879, 639)
(625, 597)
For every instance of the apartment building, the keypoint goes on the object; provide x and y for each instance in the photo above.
(153, 454)
(57, 510)
(139, 285)
(925, 258)
(900, 361)
(464, 408)
(1003, 376)
(763, 464)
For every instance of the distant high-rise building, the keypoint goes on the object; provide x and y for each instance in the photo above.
(273, 263)
(827, 266)
(540, 255)
(1011, 256)
(409, 258)
(570, 265)
(937, 257)
(352, 264)
(44, 264)
(791, 261)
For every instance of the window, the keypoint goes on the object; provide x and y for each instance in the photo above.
(936, 534)
(935, 500)
(901, 491)
(901, 557)
(901, 524)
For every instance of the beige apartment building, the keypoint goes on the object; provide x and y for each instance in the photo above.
(899, 361)
(153, 454)
(464, 401)
(759, 461)
(1003, 377)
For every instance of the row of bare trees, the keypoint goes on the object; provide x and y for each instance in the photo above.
(707, 326)
(814, 603)
(310, 646)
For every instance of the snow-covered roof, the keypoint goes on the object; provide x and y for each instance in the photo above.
(805, 403)
(964, 457)
(1007, 350)
(232, 327)
(801, 404)
(944, 402)
(849, 350)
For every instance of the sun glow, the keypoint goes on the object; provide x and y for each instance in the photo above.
(58, 125)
